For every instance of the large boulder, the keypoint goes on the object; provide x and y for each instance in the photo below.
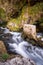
(30, 35)
(30, 31)
(2, 48)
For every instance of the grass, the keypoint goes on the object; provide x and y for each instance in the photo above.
(5, 56)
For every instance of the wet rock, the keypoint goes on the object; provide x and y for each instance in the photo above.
(40, 39)
(2, 47)
(40, 43)
(1, 63)
(1, 31)
(18, 61)
(30, 31)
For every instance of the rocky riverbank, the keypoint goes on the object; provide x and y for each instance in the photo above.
(18, 61)
(13, 45)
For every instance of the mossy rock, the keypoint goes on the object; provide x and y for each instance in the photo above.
(13, 24)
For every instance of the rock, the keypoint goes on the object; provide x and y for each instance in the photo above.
(1, 31)
(18, 61)
(21, 61)
(30, 31)
(40, 39)
(2, 48)
(30, 35)
(1, 63)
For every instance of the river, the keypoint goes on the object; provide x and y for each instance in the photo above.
(16, 44)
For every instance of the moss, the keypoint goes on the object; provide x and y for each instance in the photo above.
(5, 56)
(2, 14)
(36, 8)
(14, 24)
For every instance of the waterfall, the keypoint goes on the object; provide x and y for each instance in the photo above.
(16, 44)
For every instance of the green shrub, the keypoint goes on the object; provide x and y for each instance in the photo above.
(5, 56)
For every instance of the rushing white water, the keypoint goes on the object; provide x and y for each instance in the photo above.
(17, 45)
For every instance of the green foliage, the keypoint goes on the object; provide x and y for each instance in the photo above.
(36, 8)
(20, 4)
(5, 56)
(13, 24)
(2, 14)
(33, 9)
(41, 21)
